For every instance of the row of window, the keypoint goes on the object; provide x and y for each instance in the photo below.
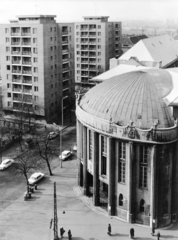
(9, 86)
(35, 59)
(143, 167)
(17, 30)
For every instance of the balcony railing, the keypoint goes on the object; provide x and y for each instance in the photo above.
(65, 51)
(27, 90)
(15, 43)
(16, 62)
(17, 90)
(83, 35)
(17, 98)
(92, 62)
(26, 43)
(26, 33)
(27, 72)
(65, 60)
(92, 42)
(16, 71)
(27, 81)
(26, 62)
(84, 61)
(65, 69)
(18, 80)
(16, 52)
(84, 49)
(65, 42)
(17, 108)
(65, 32)
(26, 53)
(15, 33)
(92, 69)
(92, 36)
(92, 56)
(92, 49)
(84, 42)
(84, 29)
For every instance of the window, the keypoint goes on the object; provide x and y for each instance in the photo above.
(35, 50)
(35, 59)
(99, 40)
(35, 88)
(51, 57)
(9, 104)
(51, 48)
(8, 85)
(8, 94)
(52, 104)
(54, 38)
(143, 166)
(99, 26)
(121, 200)
(54, 29)
(51, 39)
(7, 49)
(99, 33)
(99, 46)
(99, 53)
(122, 160)
(90, 144)
(51, 85)
(77, 26)
(6, 30)
(8, 67)
(34, 40)
(103, 155)
(77, 40)
(78, 71)
(51, 77)
(52, 95)
(70, 38)
(78, 52)
(99, 59)
(51, 67)
(51, 29)
(34, 30)
(8, 76)
(35, 69)
(35, 79)
(55, 84)
(78, 46)
(142, 206)
(7, 58)
(36, 98)
(7, 39)
(78, 65)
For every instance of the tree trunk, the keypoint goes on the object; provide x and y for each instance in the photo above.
(49, 167)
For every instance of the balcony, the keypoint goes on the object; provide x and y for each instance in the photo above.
(27, 90)
(26, 53)
(65, 42)
(84, 35)
(92, 56)
(84, 29)
(84, 49)
(92, 49)
(84, 42)
(84, 62)
(65, 60)
(65, 79)
(17, 98)
(92, 29)
(92, 36)
(65, 69)
(65, 32)
(65, 51)
(84, 75)
(16, 52)
(84, 69)
(92, 62)
(84, 55)
(15, 43)
(92, 69)
(92, 42)
(16, 71)
(19, 108)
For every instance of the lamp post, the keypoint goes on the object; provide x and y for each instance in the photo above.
(62, 127)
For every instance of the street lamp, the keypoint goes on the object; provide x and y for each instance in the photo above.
(62, 127)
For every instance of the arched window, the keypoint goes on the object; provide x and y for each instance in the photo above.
(120, 200)
(142, 205)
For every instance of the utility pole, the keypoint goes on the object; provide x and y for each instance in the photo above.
(55, 215)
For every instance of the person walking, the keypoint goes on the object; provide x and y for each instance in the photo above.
(62, 231)
(158, 235)
(132, 232)
(153, 231)
(109, 229)
(69, 235)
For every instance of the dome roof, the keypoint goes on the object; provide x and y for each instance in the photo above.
(135, 96)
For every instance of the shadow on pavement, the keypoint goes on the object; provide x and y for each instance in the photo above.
(33, 198)
(119, 235)
(167, 236)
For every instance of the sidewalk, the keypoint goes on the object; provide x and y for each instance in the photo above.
(30, 220)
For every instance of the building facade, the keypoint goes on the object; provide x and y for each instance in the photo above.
(37, 66)
(96, 41)
(127, 138)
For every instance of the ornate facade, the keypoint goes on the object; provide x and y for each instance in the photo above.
(127, 142)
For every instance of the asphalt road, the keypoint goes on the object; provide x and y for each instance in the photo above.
(11, 186)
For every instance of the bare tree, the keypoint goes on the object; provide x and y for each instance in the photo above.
(25, 164)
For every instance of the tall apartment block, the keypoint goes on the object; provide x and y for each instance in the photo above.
(37, 65)
(96, 41)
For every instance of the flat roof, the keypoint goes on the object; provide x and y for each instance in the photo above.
(96, 17)
(35, 16)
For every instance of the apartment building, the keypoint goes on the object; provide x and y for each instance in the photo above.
(96, 41)
(37, 66)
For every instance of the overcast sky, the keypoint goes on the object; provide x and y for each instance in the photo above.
(74, 10)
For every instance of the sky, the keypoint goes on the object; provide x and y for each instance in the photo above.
(74, 10)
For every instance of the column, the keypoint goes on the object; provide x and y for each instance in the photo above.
(129, 168)
(79, 153)
(96, 183)
(85, 172)
(112, 178)
(153, 187)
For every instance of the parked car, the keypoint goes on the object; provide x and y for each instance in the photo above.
(53, 135)
(65, 154)
(35, 177)
(6, 163)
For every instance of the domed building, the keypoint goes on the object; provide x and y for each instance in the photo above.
(127, 138)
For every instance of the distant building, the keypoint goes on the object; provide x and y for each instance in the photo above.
(128, 41)
(159, 52)
(37, 66)
(96, 41)
(127, 145)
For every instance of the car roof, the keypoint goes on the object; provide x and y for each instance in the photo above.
(6, 160)
(65, 152)
(36, 174)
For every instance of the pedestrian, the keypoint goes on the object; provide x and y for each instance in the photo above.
(69, 235)
(158, 235)
(109, 229)
(132, 233)
(153, 231)
(62, 231)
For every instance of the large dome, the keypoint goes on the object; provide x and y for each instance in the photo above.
(137, 96)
